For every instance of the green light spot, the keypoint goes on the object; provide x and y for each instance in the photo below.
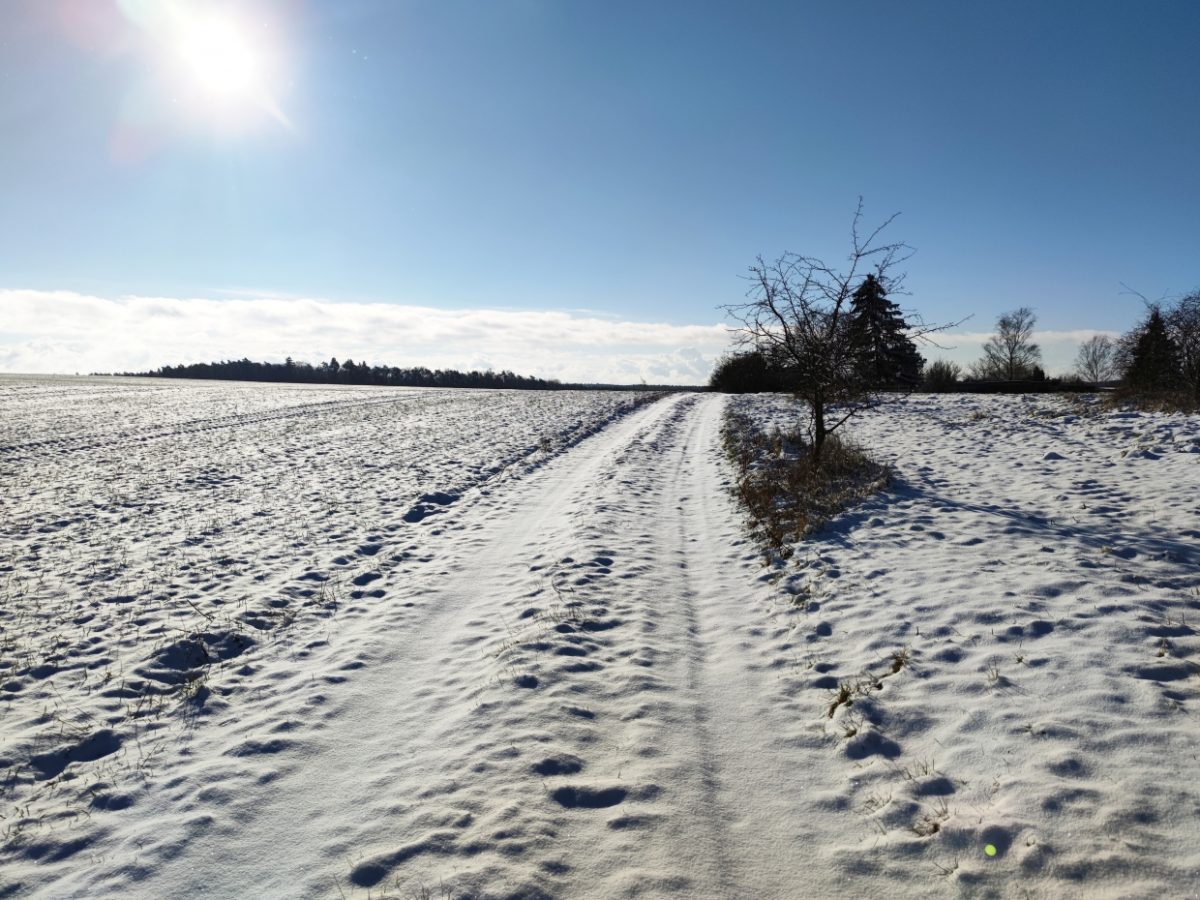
(990, 849)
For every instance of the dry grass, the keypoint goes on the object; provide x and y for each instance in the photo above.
(786, 493)
(1154, 401)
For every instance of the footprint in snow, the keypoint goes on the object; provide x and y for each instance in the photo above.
(558, 765)
(588, 797)
(96, 746)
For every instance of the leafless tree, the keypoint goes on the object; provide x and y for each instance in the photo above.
(1096, 361)
(1183, 323)
(796, 314)
(1010, 354)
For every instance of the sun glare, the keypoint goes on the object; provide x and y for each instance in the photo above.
(221, 68)
(220, 59)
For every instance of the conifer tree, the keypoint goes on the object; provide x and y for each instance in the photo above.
(887, 357)
(1150, 356)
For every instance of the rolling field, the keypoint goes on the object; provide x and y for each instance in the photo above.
(295, 641)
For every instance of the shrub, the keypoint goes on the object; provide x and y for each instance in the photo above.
(786, 491)
(745, 373)
(941, 375)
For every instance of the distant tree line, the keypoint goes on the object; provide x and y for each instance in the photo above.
(1158, 360)
(350, 372)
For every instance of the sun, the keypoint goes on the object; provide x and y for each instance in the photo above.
(222, 69)
(220, 59)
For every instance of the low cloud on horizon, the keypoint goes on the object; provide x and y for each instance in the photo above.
(66, 332)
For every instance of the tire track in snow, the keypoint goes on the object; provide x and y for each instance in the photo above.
(663, 739)
(754, 757)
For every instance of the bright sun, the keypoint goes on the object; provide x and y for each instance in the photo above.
(225, 69)
(220, 59)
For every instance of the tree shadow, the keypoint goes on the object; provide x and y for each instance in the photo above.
(1119, 541)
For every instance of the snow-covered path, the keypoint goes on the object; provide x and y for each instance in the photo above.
(555, 699)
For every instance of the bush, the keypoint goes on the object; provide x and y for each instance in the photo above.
(745, 373)
(1158, 358)
(1154, 401)
(787, 492)
(941, 375)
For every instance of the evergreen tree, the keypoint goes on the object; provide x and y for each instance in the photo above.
(1150, 357)
(886, 355)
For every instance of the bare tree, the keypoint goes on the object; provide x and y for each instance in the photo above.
(1096, 361)
(797, 314)
(1183, 322)
(1010, 354)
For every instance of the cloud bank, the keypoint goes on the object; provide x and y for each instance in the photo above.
(64, 332)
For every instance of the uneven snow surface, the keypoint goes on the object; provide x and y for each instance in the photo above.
(285, 641)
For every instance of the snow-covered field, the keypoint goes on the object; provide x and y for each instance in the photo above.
(284, 641)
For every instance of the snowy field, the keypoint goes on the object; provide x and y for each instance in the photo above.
(294, 641)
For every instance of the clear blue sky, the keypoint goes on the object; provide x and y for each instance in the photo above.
(625, 157)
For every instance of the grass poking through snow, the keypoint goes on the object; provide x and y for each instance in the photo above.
(787, 494)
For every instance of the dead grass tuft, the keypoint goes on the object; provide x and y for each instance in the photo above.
(1154, 401)
(786, 493)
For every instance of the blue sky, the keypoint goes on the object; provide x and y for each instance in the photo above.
(615, 161)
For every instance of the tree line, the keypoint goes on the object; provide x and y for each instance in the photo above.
(361, 373)
(833, 336)
(829, 337)
(1157, 360)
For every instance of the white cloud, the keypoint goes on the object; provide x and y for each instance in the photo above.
(59, 331)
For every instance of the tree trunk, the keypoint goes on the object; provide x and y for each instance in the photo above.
(818, 430)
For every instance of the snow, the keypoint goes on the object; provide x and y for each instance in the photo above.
(1037, 559)
(291, 641)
